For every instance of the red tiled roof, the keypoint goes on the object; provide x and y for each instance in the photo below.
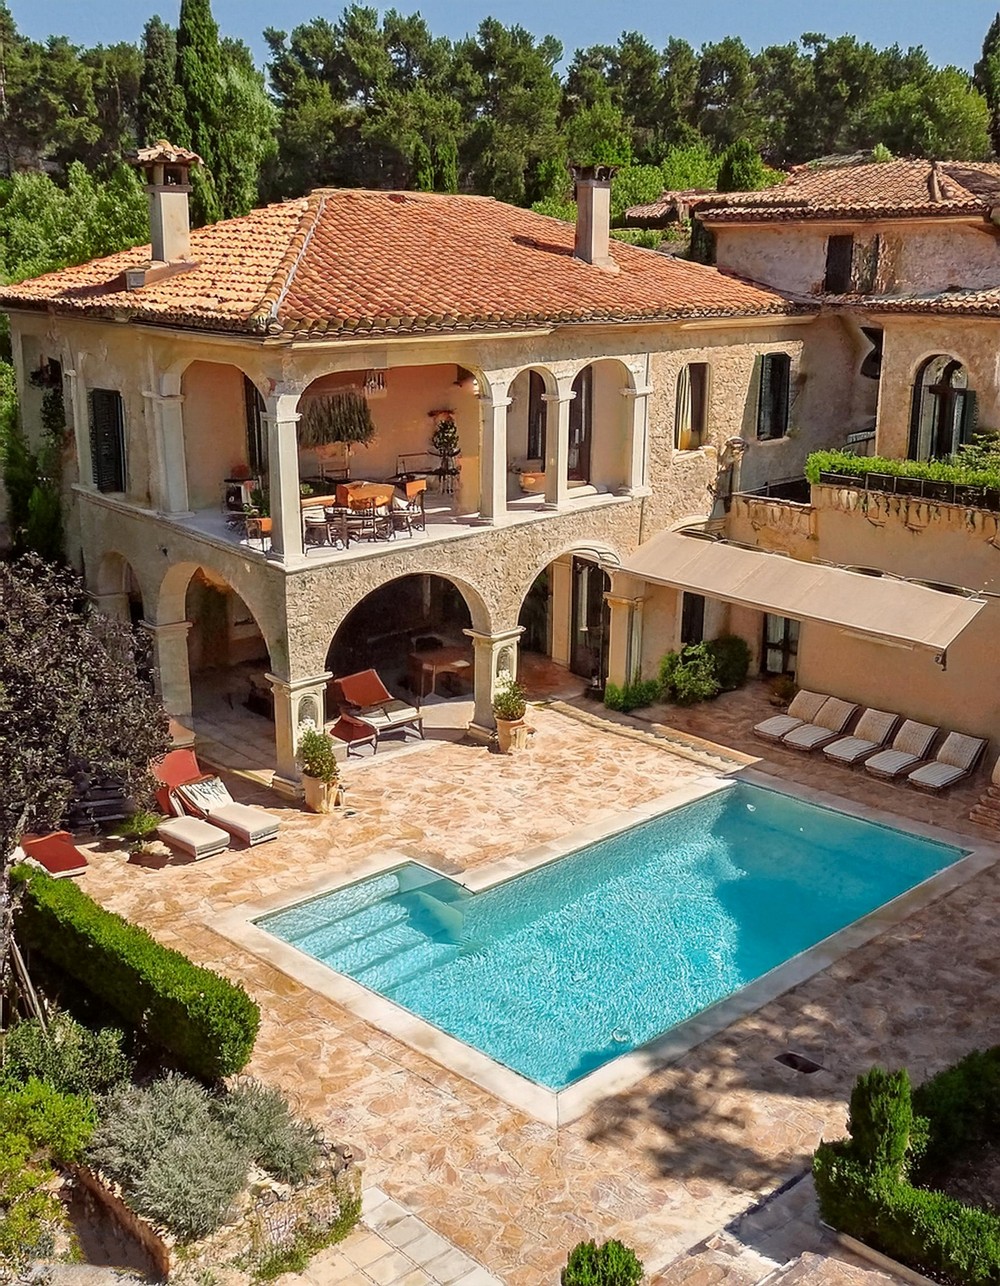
(867, 190)
(343, 262)
(673, 205)
(956, 303)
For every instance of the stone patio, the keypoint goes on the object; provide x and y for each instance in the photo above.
(676, 1157)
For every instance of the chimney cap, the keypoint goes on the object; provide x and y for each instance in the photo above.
(597, 173)
(163, 153)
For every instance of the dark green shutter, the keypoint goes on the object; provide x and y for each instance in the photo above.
(256, 438)
(107, 439)
(970, 417)
(779, 389)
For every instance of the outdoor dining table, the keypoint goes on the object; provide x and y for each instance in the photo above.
(363, 494)
(431, 664)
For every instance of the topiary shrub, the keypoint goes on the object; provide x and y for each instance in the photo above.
(731, 656)
(68, 1056)
(207, 1022)
(610, 1264)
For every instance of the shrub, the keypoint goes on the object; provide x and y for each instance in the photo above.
(192, 1190)
(258, 1118)
(632, 696)
(610, 1264)
(692, 677)
(208, 1023)
(731, 656)
(69, 1056)
(316, 755)
(510, 700)
(31, 1213)
(969, 471)
(60, 1123)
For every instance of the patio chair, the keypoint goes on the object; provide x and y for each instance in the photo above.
(205, 795)
(873, 730)
(956, 759)
(55, 853)
(369, 522)
(192, 835)
(804, 707)
(366, 697)
(828, 725)
(408, 511)
(909, 746)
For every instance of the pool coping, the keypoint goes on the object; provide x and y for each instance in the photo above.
(564, 1106)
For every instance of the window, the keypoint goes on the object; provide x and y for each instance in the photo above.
(839, 265)
(944, 409)
(107, 439)
(691, 414)
(781, 645)
(256, 432)
(871, 366)
(536, 416)
(580, 423)
(692, 618)
(772, 400)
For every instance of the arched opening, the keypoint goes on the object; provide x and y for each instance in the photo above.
(599, 427)
(944, 409)
(565, 619)
(228, 659)
(117, 589)
(411, 631)
(527, 432)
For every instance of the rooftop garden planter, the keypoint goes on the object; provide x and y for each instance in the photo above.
(934, 480)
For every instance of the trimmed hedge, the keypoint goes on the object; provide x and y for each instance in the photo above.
(206, 1022)
(868, 1185)
(857, 466)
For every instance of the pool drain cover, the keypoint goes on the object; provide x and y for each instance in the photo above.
(798, 1062)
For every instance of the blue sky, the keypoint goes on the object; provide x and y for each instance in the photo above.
(951, 30)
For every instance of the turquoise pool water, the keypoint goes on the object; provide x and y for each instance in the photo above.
(560, 970)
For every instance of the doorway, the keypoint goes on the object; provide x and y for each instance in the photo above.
(590, 622)
(781, 645)
(581, 414)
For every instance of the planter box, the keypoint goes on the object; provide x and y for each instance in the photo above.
(840, 479)
(935, 490)
(909, 486)
(971, 497)
(880, 481)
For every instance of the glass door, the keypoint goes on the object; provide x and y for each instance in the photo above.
(580, 426)
(589, 651)
(781, 645)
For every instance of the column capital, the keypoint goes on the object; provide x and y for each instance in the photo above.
(164, 399)
(498, 639)
(489, 400)
(292, 686)
(559, 397)
(167, 629)
(641, 390)
(623, 600)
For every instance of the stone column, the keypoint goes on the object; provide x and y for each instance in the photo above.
(81, 428)
(115, 605)
(557, 447)
(493, 459)
(172, 671)
(625, 637)
(294, 701)
(281, 418)
(494, 654)
(561, 579)
(638, 436)
(171, 459)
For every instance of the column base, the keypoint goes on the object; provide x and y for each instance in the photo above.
(175, 513)
(289, 787)
(480, 734)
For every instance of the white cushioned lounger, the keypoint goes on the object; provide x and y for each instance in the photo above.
(910, 744)
(193, 836)
(956, 759)
(827, 726)
(804, 707)
(873, 730)
(211, 800)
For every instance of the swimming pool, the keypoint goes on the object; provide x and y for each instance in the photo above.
(560, 970)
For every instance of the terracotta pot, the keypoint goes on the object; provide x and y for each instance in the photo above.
(319, 797)
(512, 734)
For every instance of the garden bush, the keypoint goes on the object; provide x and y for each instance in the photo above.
(31, 1215)
(259, 1119)
(869, 1184)
(632, 696)
(60, 1124)
(690, 675)
(731, 656)
(208, 1023)
(610, 1264)
(68, 1056)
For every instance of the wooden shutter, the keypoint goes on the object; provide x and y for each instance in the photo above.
(969, 423)
(839, 265)
(256, 438)
(764, 398)
(107, 439)
(536, 417)
(772, 401)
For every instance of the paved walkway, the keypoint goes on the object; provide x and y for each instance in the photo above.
(664, 1164)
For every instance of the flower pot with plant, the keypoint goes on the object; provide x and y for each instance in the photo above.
(509, 705)
(320, 773)
(137, 831)
(446, 446)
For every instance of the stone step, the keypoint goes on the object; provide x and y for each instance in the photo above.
(825, 1270)
(720, 1260)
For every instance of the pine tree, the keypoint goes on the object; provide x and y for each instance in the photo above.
(160, 108)
(199, 74)
(987, 79)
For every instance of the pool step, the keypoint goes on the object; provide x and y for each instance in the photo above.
(338, 933)
(406, 964)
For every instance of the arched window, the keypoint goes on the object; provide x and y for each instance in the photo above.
(536, 416)
(944, 409)
(691, 407)
(581, 416)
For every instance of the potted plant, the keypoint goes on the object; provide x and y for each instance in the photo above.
(445, 444)
(136, 832)
(343, 416)
(509, 705)
(320, 773)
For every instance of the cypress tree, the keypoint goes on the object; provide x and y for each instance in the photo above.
(987, 79)
(446, 166)
(423, 167)
(199, 74)
(742, 170)
(160, 107)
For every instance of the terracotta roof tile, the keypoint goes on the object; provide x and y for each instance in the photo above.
(962, 303)
(343, 261)
(867, 190)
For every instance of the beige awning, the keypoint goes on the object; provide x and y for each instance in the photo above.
(880, 607)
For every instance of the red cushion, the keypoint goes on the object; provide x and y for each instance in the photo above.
(177, 767)
(56, 852)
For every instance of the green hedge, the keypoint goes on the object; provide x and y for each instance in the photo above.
(857, 466)
(206, 1022)
(868, 1185)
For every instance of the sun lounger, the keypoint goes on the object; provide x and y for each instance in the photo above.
(909, 746)
(193, 836)
(827, 726)
(188, 789)
(55, 852)
(956, 759)
(873, 730)
(366, 697)
(804, 707)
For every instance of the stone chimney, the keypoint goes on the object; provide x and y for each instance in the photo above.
(167, 171)
(593, 214)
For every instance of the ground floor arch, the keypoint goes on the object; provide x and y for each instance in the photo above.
(565, 616)
(116, 589)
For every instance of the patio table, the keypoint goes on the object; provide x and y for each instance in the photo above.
(431, 664)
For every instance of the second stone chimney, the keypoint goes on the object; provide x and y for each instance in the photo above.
(167, 171)
(593, 214)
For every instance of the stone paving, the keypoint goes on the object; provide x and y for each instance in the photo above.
(662, 1165)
